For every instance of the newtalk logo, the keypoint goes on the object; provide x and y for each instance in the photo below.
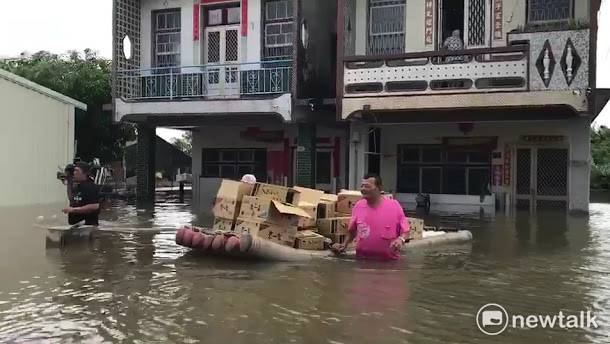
(493, 319)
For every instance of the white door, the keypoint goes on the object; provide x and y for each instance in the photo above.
(477, 22)
(222, 61)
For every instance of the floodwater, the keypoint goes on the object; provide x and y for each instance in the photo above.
(141, 288)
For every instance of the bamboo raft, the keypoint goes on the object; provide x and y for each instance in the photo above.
(249, 247)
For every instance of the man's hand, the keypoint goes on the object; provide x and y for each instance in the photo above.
(338, 248)
(68, 210)
(396, 244)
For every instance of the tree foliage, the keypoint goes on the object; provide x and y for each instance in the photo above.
(185, 143)
(600, 151)
(87, 78)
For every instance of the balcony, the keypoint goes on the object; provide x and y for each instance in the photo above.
(213, 81)
(438, 72)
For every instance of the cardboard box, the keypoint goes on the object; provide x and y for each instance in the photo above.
(416, 228)
(333, 226)
(329, 198)
(388, 195)
(281, 235)
(347, 200)
(327, 209)
(229, 197)
(223, 225)
(254, 207)
(268, 231)
(312, 211)
(305, 195)
(285, 215)
(309, 240)
(248, 226)
(271, 192)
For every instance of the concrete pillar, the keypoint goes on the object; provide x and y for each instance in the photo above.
(145, 165)
(358, 142)
(580, 164)
(306, 155)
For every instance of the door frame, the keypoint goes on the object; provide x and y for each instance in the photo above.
(222, 66)
(488, 23)
(326, 187)
(533, 197)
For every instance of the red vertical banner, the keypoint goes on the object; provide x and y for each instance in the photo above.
(196, 13)
(498, 19)
(244, 18)
(429, 21)
(507, 163)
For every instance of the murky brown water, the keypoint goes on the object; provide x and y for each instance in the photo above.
(141, 288)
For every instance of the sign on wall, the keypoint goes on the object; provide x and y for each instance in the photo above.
(429, 20)
(507, 163)
(498, 19)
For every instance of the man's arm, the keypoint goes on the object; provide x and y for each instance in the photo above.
(70, 189)
(86, 209)
(351, 235)
(404, 231)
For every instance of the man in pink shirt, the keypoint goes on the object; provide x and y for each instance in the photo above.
(379, 224)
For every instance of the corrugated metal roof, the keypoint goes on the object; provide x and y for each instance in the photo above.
(41, 89)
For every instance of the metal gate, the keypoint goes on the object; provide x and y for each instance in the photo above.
(541, 178)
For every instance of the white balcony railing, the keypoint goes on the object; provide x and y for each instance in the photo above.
(437, 72)
(211, 81)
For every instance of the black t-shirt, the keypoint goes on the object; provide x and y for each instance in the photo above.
(85, 193)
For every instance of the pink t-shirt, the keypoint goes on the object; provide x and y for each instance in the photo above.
(376, 228)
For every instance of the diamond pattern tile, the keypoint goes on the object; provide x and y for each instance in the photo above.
(546, 71)
(570, 62)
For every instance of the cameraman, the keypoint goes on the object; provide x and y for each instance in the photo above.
(84, 196)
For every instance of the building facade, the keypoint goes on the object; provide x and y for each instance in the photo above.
(258, 96)
(476, 102)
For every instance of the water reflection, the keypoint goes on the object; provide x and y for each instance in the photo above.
(130, 286)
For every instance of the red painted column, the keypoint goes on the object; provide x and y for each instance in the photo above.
(244, 18)
(196, 13)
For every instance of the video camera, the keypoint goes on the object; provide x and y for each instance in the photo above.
(68, 171)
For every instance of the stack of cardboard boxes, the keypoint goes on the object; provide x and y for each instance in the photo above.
(298, 216)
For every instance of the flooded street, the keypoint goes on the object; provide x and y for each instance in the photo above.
(140, 287)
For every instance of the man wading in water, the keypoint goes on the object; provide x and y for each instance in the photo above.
(84, 197)
(379, 224)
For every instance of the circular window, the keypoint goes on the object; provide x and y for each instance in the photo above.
(127, 47)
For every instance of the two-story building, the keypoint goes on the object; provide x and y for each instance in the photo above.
(253, 79)
(476, 102)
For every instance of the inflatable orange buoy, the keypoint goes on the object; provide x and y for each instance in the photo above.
(197, 240)
(219, 242)
(180, 236)
(207, 242)
(232, 244)
(188, 238)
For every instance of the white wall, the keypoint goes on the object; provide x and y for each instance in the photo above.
(252, 47)
(191, 51)
(580, 163)
(187, 51)
(36, 136)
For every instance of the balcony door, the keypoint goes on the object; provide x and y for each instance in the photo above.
(471, 17)
(221, 59)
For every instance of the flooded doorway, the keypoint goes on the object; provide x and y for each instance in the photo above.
(541, 178)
